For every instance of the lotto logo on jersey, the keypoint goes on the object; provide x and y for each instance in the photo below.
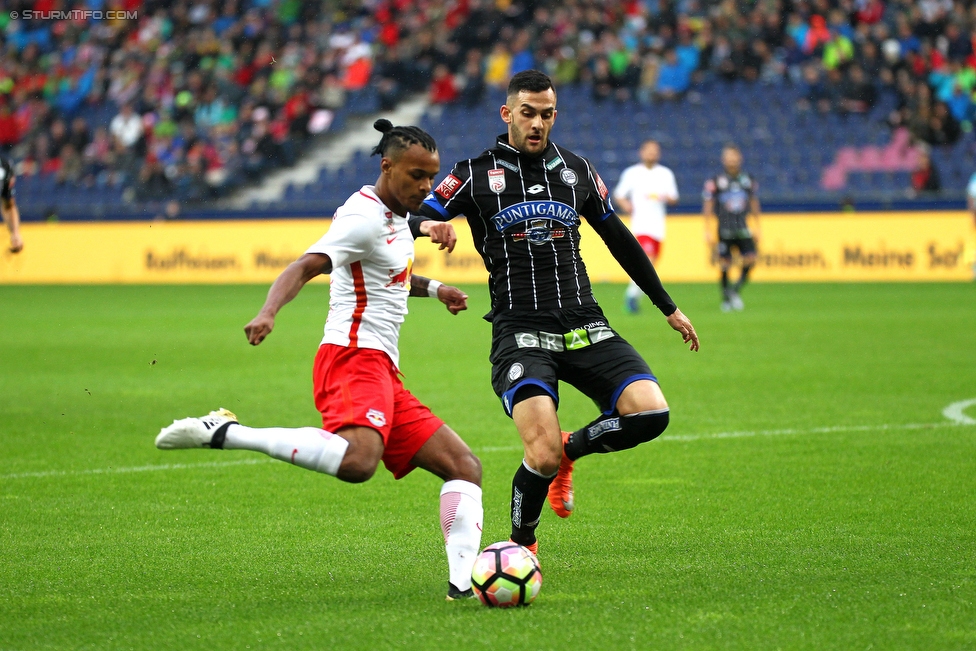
(601, 187)
(448, 186)
(496, 180)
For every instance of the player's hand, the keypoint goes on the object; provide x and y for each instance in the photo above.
(16, 243)
(440, 233)
(680, 322)
(455, 300)
(259, 328)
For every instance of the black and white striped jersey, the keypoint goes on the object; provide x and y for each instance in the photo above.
(524, 215)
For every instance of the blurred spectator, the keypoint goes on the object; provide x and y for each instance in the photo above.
(673, 79)
(925, 178)
(126, 127)
(857, 94)
(153, 185)
(443, 89)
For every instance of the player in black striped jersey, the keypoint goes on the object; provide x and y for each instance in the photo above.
(524, 199)
(731, 199)
(8, 205)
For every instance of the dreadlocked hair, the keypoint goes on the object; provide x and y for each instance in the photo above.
(396, 140)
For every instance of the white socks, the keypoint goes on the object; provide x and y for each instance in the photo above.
(633, 291)
(461, 522)
(308, 447)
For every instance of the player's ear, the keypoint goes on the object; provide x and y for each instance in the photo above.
(386, 165)
(506, 114)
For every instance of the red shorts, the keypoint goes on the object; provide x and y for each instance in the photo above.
(651, 246)
(361, 387)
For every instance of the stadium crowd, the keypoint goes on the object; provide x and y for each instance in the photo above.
(209, 94)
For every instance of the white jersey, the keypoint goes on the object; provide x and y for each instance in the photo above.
(371, 249)
(648, 190)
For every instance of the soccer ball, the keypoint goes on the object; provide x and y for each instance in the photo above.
(505, 575)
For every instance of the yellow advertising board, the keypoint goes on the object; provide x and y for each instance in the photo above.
(795, 247)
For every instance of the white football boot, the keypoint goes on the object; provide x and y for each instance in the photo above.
(197, 432)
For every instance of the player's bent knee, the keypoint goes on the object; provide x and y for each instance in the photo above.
(468, 468)
(618, 433)
(357, 469)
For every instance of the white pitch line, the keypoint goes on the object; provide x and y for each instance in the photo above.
(957, 412)
(113, 471)
(511, 448)
(779, 432)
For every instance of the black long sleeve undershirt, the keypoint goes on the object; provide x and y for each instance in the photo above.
(628, 252)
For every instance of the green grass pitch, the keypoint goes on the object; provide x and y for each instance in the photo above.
(809, 493)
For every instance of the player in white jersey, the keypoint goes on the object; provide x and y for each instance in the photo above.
(367, 414)
(644, 192)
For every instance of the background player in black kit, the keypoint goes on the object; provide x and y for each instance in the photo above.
(732, 197)
(8, 205)
(524, 198)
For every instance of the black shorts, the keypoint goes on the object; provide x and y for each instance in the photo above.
(576, 346)
(745, 246)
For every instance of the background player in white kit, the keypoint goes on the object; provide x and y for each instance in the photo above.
(367, 414)
(644, 192)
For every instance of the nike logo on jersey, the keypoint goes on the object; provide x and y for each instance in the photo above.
(390, 240)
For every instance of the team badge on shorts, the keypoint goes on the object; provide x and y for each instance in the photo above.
(515, 372)
(568, 176)
(376, 417)
(496, 180)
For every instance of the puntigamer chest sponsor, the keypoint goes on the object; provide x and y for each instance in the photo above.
(520, 212)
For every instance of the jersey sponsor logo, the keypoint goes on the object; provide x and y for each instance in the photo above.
(601, 428)
(521, 212)
(506, 164)
(401, 278)
(515, 372)
(376, 417)
(448, 186)
(536, 189)
(568, 176)
(580, 338)
(554, 163)
(601, 186)
(539, 231)
(496, 180)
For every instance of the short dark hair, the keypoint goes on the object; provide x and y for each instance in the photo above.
(397, 140)
(532, 81)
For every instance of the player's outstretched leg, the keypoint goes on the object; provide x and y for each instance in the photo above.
(308, 447)
(447, 456)
(632, 298)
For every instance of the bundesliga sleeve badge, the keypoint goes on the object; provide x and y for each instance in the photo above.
(496, 180)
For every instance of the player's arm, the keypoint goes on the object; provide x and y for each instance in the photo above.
(708, 212)
(439, 232)
(754, 211)
(673, 196)
(452, 297)
(284, 289)
(628, 252)
(11, 217)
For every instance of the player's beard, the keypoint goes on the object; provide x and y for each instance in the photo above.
(521, 141)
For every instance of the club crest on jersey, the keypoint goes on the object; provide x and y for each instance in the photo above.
(568, 176)
(448, 186)
(496, 180)
(376, 417)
